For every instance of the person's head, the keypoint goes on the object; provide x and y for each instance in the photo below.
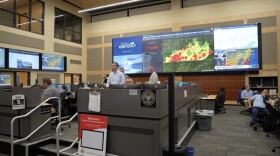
(248, 87)
(115, 66)
(129, 80)
(152, 69)
(122, 70)
(46, 82)
(265, 92)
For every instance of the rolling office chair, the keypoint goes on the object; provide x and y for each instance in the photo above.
(220, 101)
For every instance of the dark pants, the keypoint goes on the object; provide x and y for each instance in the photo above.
(255, 112)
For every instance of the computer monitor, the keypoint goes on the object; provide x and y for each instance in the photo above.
(68, 88)
(60, 88)
(154, 86)
(125, 86)
(54, 85)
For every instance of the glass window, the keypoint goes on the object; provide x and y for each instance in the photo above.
(37, 9)
(22, 23)
(26, 14)
(7, 5)
(67, 26)
(36, 26)
(6, 18)
(23, 7)
(59, 33)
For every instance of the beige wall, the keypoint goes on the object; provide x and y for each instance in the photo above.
(176, 18)
(49, 39)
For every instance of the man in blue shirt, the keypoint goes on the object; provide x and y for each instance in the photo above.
(260, 101)
(246, 94)
(115, 77)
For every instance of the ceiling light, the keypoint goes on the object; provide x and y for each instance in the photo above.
(3, 1)
(59, 16)
(107, 6)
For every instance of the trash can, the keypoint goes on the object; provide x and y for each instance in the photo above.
(190, 151)
(204, 119)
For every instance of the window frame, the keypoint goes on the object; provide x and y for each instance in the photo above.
(64, 28)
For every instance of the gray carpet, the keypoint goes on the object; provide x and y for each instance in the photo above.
(231, 135)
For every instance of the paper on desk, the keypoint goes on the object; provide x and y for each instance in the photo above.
(94, 102)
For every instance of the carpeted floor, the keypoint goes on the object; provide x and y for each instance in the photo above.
(231, 135)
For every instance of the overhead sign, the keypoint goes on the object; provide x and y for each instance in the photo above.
(18, 102)
(92, 135)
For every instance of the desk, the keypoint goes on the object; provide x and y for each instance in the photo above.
(208, 102)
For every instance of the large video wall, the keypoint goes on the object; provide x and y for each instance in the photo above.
(234, 48)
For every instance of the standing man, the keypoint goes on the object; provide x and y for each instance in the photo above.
(246, 94)
(115, 77)
(260, 101)
(154, 77)
(49, 90)
(122, 70)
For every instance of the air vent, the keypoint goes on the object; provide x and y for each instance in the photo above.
(79, 62)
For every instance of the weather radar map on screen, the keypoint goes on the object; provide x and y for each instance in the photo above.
(52, 62)
(19, 59)
(2, 58)
(236, 48)
(128, 53)
(233, 48)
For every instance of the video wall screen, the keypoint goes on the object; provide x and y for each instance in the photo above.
(19, 59)
(128, 53)
(53, 62)
(2, 57)
(234, 48)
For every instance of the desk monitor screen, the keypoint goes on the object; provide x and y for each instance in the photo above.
(2, 57)
(5, 80)
(125, 86)
(154, 86)
(68, 88)
(54, 85)
(92, 139)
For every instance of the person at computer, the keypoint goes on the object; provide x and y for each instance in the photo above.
(129, 80)
(49, 91)
(153, 77)
(115, 77)
(122, 70)
(245, 95)
(260, 103)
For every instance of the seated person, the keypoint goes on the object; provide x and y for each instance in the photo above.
(260, 102)
(245, 95)
(49, 91)
(129, 80)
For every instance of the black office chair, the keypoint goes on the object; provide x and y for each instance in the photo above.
(220, 102)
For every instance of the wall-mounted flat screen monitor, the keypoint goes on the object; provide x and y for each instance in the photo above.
(232, 48)
(128, 53)
(53, 62)
(2, 57)
(5, 80)
(19, 59)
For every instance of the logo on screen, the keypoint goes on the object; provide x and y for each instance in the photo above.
(124, 45)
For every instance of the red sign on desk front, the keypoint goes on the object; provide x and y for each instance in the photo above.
(92, 135)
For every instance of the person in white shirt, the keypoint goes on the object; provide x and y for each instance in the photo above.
(259, 105)
(245, 95)
(115, 77)
(154, 77)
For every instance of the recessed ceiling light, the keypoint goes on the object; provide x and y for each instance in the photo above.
(107, 6)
